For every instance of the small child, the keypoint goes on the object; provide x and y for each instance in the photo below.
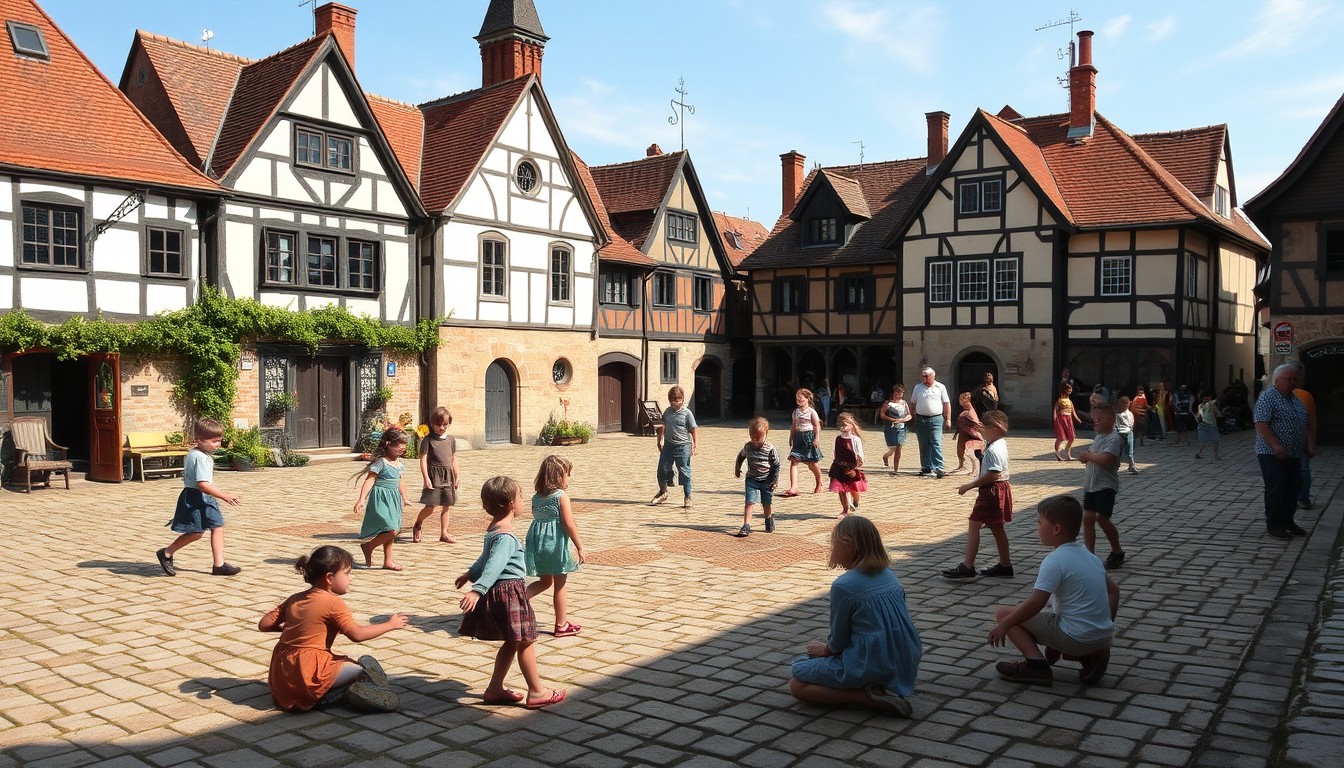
(1208, 414)
(1124, 426)
(762, 474)
(548, 538)
(968, 435)
(438, 467)
(304, 672)
(895, 414)
(993, 502)
(871, 658)
(1065, 417)
(846, 472)
(1083, 603)
(382, 494)
(197, 508)
(497, 607)
(804, 427)
(1102, 484)
(677, 443)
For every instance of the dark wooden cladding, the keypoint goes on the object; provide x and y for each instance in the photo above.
(824, 316)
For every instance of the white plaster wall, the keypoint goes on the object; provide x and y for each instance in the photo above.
(49, 294)
(155, 208)
(366, 150)
(6, 292)
(388, 201)
(6, 199)
(282, 300)
(117, 251)
(105, 201)
(255, 178)
(6, 243)
(165, 298)
(277, 141)
(338, 106)
(73, 193)
(240, 248)
(117, 296)
(288, 187)
(396, 277)
(308, 100)
(363, 307)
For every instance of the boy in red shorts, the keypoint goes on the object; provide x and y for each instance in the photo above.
(993, 502)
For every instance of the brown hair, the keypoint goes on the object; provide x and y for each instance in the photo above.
(847, 418)
(323, 560)
(676, 393)
(997, 419)
(1064, 511)
(1122, 402)
(441, 416)
(758, 426)
(897, 388)
(805, 392)
(1103, 407)
(964, 397)
(869, 556)
(391, 436)
(551, 476)
(1065, 389)
(497, 495)
(207, 429)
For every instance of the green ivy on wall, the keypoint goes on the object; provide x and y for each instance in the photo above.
(208, 336)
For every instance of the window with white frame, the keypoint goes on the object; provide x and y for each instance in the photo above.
(280, 257)
(703, 291)
(973, 281)
(562, 262)
(940, 282)
(51, 237)
(681, 227)
(163, 252)
(317, 148)
(494, 268)
(664, 289)
(362, 265)
(1117, 275)
(980, 196)
(1006, 279)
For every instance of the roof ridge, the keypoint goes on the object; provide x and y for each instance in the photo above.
(388, 100)
(454, 98)
(1155, 169)
(875, 163)
(638, 160)
(1180, 131)
(1007, 123)
(193, 46)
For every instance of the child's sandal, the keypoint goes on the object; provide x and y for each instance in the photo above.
(570, 629)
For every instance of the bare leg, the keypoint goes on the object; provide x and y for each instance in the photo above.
(425, 512)
(182, 541)
(896, 459)
(1001, 542)
(844, 505)
(793, 477)
(542, 584)
(383, 540)
(746, 515)
(810, 693)
(972, 543)
(217, 545)
(560, 600)
(1090, 530)
(503, 660)
(1112, 533)
(1019, 637)
(1057, 444)
(387, 551)
(812, 465)
(443, 528)
(527, 664)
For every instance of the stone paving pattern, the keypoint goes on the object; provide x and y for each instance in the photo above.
(688, 632)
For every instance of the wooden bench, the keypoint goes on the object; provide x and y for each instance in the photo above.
(155, 447)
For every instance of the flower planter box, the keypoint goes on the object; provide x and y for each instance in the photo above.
(567, 441)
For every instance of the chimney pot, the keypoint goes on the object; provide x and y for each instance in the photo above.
(937, 138)
(1082, 91)
(792, 165)
(653, 151)
(339, 21)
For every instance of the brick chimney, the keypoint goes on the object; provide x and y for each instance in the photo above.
(937, 138)
(653, 151)
(338, 20)
(512, 42)
(1082, 91)
(792, 163)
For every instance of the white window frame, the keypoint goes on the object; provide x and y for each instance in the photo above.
(1009, 266)
(940, 282)
(328, 142)
(1115, 276)
(982, 185)
(562, 276)
(973, 291)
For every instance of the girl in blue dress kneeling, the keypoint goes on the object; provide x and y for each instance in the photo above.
(872, 655)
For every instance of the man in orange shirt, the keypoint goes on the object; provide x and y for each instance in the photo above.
(1309, 403)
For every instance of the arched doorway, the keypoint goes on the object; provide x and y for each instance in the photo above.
(707, 399)
(971, 370)
(811, 368)
(1325, 381)
(617, 383)
(499, 399)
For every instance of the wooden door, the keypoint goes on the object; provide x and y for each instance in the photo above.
(331, 384)
(498, 404)
(104, 371)
(319, 416)
(610, 402)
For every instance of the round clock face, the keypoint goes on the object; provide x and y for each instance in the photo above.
(560, 371)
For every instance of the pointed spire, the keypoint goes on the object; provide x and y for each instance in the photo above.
(512, 42)
(507, 18)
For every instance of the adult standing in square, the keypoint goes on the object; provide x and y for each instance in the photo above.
(933, 414)
(1283, 436)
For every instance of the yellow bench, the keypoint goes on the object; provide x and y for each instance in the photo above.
(155, 447)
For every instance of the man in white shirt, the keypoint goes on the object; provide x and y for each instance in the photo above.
(933, 414)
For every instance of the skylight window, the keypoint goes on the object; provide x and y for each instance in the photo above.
(28, 40)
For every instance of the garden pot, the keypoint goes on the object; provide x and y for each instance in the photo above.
(567, 441)
(243, 465)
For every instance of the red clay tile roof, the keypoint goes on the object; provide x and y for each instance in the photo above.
(458, 130)
(262, 85)
(1191, 155)
(63, 115)
(889, 188)
(198, 82)
(639, 185)
(404, 127)
(618, 249)
(1021, 145)
(740, 236)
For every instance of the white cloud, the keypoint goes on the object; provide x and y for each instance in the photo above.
(903, 31)
(1115, 27)
(1160, 29)
(1282, 26)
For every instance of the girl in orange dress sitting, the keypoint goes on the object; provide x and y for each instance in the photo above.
(304, 672)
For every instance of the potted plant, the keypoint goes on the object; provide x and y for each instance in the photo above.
(566, 432)
(245, 450)
(278, 405)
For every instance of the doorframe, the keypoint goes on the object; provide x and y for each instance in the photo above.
(356, 400)
(515, 409)
(629, 410)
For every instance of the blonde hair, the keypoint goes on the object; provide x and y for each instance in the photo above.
(805, 392)
(964, 397)
(758, 426)
(869, 556)
(847, 418)
(551, 476)
(497, 495)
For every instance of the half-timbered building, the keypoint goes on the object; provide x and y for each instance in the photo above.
(1302, 212)
(663, 324)
(98, 216)
(321, 211)
(1061, 241)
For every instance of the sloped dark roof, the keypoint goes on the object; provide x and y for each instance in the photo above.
(404, 127)
(198, 82)
(741, 237)
(1191, 155)
(511, 15)
(262, 85)
(618, 249)
(639, 185)
(458, 130)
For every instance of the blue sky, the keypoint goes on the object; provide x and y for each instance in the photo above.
(818, 76)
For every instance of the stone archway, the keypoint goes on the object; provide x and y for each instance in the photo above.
(1324, 379)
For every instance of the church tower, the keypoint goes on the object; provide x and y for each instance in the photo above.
(511, 42)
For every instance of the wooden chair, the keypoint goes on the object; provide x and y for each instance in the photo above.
(651, 416)
(37, 454)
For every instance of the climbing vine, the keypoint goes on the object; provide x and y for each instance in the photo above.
(208, 337)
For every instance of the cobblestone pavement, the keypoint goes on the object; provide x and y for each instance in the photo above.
(687, 631)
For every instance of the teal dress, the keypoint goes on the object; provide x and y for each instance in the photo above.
(547, 552)
(382, 510)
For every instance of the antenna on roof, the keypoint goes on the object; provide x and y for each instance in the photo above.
(312, 16)
(684, 107)
(1065, 53)
(860, 143)
(206, 36)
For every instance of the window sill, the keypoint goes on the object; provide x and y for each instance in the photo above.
(321, 290)
(46, 268)
(163, 276)
(322, 169)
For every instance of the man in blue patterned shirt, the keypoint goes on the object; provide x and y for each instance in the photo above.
(1283, 436)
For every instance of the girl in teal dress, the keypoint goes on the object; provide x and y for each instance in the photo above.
(381, 497)
(547, 552)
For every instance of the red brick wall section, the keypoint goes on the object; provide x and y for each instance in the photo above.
(158, 410)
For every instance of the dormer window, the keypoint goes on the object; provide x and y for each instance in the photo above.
(316, 148)
(978, 197)
(1222, 202)
(681, 227)
(28, 41)
(823, 231)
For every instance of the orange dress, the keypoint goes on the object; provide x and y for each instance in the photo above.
(302, 664)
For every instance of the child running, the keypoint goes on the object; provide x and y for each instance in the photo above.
(304, 672)
(1206, 423)
(438, 466)
(846, 472)
(993, 502)
(969, 438)
(1102, 484)
(497, 607)
(382, 494)
(1124, 426)
(677, 443)
(198, 503)
(1065, 418)
(895, 415)
(803, 430)
(762, 474)
(871, 658)
(548, 538)
(1083, 602)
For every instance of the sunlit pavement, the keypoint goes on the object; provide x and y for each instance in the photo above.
(687, 631)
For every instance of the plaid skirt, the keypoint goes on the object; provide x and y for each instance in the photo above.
(502, 613)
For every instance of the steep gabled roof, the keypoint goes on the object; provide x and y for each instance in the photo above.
(504, 16)
(639, 185)
(262, 86)
(1306, 157)
(63, 115)
(618, 249)
(740, 236)
(1191, 155)
(458, 131)
(404, 127)
(847, 190)
(889, 188)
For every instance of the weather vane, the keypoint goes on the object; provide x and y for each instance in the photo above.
(681, 105)
(1065, 53)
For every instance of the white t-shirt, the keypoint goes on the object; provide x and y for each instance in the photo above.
(197, 467)
(1124, 422)
(929, 400)
(996, 459)
(1096, 477)
(1076, 581)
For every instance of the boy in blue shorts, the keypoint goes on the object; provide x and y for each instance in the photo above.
(1083, 601)
(762, 474)
(1102, 484)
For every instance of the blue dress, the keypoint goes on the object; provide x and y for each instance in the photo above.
(547, 552)
(382, 510)
(875, 640)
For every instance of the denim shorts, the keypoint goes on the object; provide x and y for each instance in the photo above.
(759, 491)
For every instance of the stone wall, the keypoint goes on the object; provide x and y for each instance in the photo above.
(1025, 379)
